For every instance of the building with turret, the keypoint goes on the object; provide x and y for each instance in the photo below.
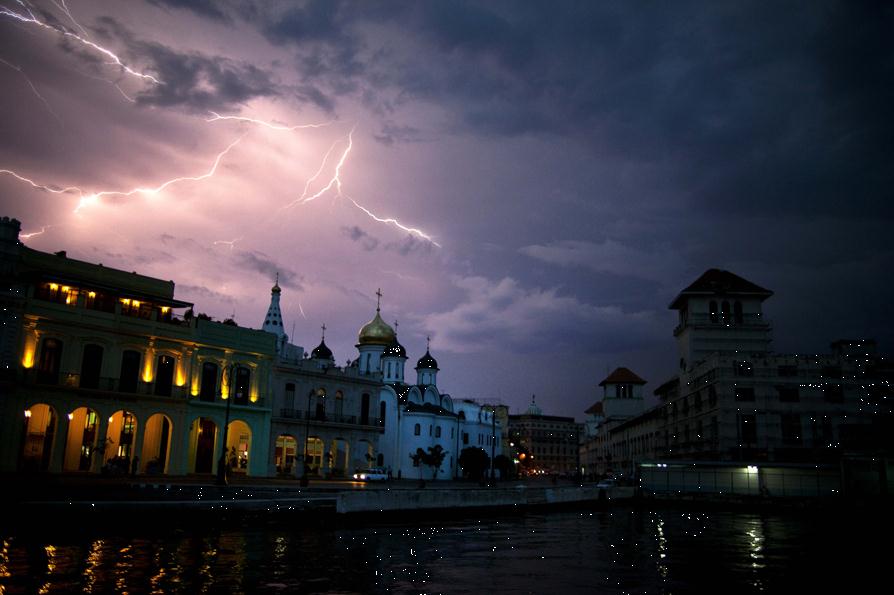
(546, 444)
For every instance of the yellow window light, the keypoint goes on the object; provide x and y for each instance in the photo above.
(91, 294)
(53, 286)
(27, 413)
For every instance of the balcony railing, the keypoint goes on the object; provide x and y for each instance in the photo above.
(101, 385)
(331, 418)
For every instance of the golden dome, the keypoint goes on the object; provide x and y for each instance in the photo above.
(376, 332)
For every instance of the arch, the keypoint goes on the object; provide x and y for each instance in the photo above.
(447, 403)
(119, 443)
(461, 415)
(712, 310)
(313, 454)
(339, 404)
(724, 312)
(202, 440)
(241, 385)
(365, 454)
(340, 462)
(284, 453)
(82, 443)
(156, 451)
(164, 375)
(41, 424)
(238, 446)
(208, 386)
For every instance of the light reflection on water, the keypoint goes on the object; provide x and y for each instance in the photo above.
(621, 551)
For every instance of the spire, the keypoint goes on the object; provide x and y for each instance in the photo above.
(323, 338)
(378, 300)
(273, 320)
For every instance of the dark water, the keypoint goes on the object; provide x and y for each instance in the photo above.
(621, 551)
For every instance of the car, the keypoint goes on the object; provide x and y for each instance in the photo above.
(607, 483)
(374, 474)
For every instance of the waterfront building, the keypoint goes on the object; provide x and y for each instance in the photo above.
(734, 399)
(549, 443)
(105, 371)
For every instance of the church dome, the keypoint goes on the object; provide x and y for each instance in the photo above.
(395, 350)
(321, 352)
(376, 332)
(427, 362)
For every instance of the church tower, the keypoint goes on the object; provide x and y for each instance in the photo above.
(427, 367)
(273, 320)
(393, 359)
(622, 394)
(720, 313)
(372, 340)
(322, 356)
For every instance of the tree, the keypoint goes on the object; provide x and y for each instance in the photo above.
(504, 466)
(474, 462)
(433, 458)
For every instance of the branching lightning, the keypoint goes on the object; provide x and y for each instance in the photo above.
(215, 117)
(43, 229)
(91, 198)
(33, 88)
(30, 18)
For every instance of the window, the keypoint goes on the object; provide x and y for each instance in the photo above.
(417, 430)
(289, 395)
(241, 385)
(91, 366)
(724, 312)
(49, 361)
(744, 393)
(339, 403)
(712, 309)
(208, 388)
(697, 401)
(744, 369)
(747, 428)
(364, 409)
(465, 437)
(712, 396)
(791, 428)
(164, 375)
(130, 371)
(737, 312)
(788, 394)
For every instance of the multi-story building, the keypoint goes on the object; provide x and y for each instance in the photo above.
(735, 400)
(107, 371)
(549, 443)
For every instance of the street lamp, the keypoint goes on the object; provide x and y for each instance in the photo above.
(222, 463)
(493, 439)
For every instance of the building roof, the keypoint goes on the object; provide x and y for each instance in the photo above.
(622, 376)
(427, 362)
(376, 332)
(719, 282)
(595, 409)
(321, 351)
(395, 350)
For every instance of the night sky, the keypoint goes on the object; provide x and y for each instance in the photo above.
(529, 183)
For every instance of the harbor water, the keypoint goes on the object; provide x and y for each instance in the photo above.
(620, 550)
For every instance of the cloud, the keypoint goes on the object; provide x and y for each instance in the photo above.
(609, 256)
(410, 244)
(258, 262)
(392, 133)
(366, 241)
(504, 316)
(205, 8)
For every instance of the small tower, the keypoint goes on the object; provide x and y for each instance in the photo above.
(273, 320)
(720, 313)
(427, 367)
(372, 340)
(393, 359)
(321, 356)
(622, 394)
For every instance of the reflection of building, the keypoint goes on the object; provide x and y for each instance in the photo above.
(106, 374)
(735, 400)
(549, 443)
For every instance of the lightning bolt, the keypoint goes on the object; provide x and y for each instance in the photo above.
(394, 222)
(87, 199)
(230, 243)
(300, 309)
(30, 18)
(216, 117)
(67, 12)
(43, 229)
(33, 88)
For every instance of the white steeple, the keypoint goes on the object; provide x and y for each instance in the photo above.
(273, 321)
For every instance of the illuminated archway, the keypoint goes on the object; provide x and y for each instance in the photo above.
(238, 446)
(314, 454)
(339, 451)
(37, 444)
(120, 436)
(202, 440)
(82, 443)
(284, 453)
(156, 444)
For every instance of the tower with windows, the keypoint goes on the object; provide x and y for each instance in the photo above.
(427, 367)
(273, 320)
(720, 312)
(372, 340)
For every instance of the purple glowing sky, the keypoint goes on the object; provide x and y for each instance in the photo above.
(574, 166)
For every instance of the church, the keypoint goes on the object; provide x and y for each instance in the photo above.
(367, 413)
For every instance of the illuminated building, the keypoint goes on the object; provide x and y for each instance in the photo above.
(549, 442)
(108, 368)
(735, 400)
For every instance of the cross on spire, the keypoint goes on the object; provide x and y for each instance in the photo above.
(324, 331)
(378, 299)
(395, 325)
(428, 343)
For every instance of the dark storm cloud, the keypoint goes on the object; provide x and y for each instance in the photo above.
(258, 262)
(212, 9)
(366, 241)
(392, 133)
(410, 245)
(192, 80)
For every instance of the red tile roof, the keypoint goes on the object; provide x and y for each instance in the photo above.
(596, 408)
(622, 376)
(718, 282)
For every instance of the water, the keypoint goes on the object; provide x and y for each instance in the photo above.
(619, 551)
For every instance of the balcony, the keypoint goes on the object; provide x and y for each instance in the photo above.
(111, 387)
(326, 418)
(750, 321)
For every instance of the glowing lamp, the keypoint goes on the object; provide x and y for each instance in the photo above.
(751, 469)
(27, 413)
(53, 286)
(110, 420)
(71, 416)
(91, 294)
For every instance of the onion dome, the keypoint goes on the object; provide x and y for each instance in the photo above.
(427, 362)
(321, 351)
(395, 350)
(376, 332)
